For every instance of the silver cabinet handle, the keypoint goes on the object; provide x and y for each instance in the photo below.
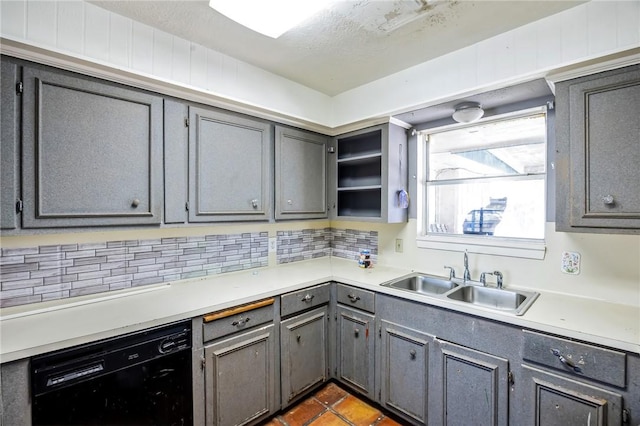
(566, 361)
(353, 298)
(356, 332)
(307, 298)
(412, 353)
(608, 200)
(135, 203)
(298, 337)
(241, 322)
(254, 203)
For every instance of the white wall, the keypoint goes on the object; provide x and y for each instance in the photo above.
(85, 31)
(578, 34)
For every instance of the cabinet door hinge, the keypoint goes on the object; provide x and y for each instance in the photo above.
(19, 206)
(203, 363)
(186, 206)
(510, 378)
(380, 332)
(186, 122)
(19, 88)
(379, 395)
(625, 416)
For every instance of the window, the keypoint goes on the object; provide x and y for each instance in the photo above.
(484, 184)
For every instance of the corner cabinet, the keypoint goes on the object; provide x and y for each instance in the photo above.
(91, 152)
(369, 170)
(300, 174)
(229, 166)
(598, 152)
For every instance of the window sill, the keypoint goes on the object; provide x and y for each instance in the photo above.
(527, 249)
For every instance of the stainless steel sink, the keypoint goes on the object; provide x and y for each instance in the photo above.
(516, 302)
(424, 284)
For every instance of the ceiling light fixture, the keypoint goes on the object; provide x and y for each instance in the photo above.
(467, 112)
(271, 18)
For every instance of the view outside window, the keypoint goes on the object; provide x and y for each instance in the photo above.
(488, 179)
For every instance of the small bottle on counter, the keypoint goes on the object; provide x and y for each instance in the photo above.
(364, 260)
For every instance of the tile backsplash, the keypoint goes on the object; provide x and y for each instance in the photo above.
(38, 274)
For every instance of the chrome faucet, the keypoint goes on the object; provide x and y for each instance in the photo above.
(467, 275)
(452, 272)
(483, 278)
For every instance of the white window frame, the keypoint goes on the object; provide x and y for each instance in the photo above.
(485, 244)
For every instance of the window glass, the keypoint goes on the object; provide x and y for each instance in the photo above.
(488, 179)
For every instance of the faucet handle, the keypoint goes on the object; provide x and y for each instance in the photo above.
(452, 272)
(499, 277)
(483, 277)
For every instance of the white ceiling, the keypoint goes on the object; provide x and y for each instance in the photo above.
(349, 44)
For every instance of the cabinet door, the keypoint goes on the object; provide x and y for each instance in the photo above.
(92, 152)
(356, 349)
(599, 151)
(558, 401)
(473, 387)
(240, 378)
(304, 346)
(229, 167)
(9, 134)
(301, 174)
(404, 356)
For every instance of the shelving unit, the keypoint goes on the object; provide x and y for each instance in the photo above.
(366, 186)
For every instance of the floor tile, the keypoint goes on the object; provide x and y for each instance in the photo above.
(330, 394)
(386, 421)
(358, 412)
(329, 419)
(303, 412)
(273, 422)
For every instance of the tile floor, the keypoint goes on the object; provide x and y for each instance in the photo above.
(332, 406)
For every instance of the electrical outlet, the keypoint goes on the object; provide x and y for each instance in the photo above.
(272, 244)
(398, 245)
(570, 263)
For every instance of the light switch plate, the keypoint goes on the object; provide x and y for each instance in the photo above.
(272, 244)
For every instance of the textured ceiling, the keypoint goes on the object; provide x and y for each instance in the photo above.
(349, 44)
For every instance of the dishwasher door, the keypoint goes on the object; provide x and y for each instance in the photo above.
(140, 379)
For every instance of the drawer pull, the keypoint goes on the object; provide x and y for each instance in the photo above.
(353, 298)
(308, 298)
(412, 353)
(298, 337)
(566, 361)
(356, 332)
(241, 322)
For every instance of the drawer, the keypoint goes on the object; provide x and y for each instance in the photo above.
(222, 323)
(580, 359)
(356, 298)
(301, 300)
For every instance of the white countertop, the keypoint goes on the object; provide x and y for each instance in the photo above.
(34, 329)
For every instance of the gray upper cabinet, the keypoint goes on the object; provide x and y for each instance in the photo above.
(91, 153)
(368, 171)
(300, 174)
(598, 143)
(176, 161)
(9, 142)
(229, 167)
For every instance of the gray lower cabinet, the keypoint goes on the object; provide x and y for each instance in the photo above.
(598, 152)
(240, 378)
(355, 352)
(229, 166)
(559, 401)
(470, 387)
(300, 174)
(304, 348)
(404, 371)
(91, 152)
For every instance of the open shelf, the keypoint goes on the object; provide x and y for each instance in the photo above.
(361, 203)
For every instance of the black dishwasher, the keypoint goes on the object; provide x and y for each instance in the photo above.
(143, 378)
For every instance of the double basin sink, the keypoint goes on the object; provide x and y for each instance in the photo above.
(514, 302)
